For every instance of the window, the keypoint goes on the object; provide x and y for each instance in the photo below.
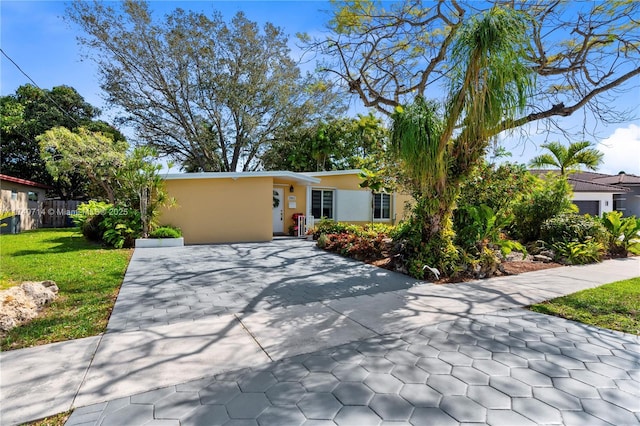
(14, 194)
(322, 203)
(33, 196)
(381, 206)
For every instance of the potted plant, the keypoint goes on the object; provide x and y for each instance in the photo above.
(163, 236)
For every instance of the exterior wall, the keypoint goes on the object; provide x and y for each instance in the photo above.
(403, 205)
(300, 194)
(221, 210)
(629, 201)
(28, 210)
(353, 204)
(605, 199)
(350, 181)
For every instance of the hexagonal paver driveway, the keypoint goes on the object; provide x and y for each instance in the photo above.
(510, 368)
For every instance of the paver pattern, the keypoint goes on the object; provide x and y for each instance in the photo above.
(511, 368)
(377, 347)
(199, 281)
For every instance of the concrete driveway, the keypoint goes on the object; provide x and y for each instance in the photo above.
(283, 333)
(166, 286)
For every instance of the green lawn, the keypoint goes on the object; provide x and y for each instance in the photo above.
(88, 275)
(615, 306)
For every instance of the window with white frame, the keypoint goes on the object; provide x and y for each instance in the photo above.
(381, 206)
(322, 203)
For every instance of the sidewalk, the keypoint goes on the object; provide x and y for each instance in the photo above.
(42, 381)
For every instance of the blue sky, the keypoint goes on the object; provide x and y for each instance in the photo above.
(35, 35)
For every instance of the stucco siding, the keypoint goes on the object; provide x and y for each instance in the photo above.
(221, 210)
(297, 198)
(605, 199)
(15, 198)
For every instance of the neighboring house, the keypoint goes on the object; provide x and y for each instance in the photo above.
(597, 193)
(255, 206)
(23, 198)
(627, 202)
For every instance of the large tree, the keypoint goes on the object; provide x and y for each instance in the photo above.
(211, 94)
(567, 158)
(338, 144)
(94, 155)
(583, 53)
(489, 83)
(32, 111)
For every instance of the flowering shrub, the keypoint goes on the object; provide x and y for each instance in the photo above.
(293, 229)
(355, 246)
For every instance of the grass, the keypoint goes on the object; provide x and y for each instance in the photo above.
(88, 276)
(615, 306)
(57, 420)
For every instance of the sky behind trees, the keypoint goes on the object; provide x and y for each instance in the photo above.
(38, 38)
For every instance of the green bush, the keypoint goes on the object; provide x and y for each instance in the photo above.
(328, 226)
(569, 227)
(496, 187)
(624, 233)
(88, 217)
(439, 252)
(577, 253)
(121, 226)
(166, 232)
(548, 198)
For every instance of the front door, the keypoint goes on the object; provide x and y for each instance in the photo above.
(278, 210)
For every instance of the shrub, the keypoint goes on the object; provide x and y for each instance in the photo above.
(328, 226)
(624, 233)
(439, 252)
(498, 188)
(166, 232)
(548, 198)
(569, 227)
(121, 226)
(88, 217)
(355, 246)
(577, 253)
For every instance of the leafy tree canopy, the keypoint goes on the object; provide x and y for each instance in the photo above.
(338, 144)
(567, 158)
(583, 54)
(94, 155)
(32, 111)
(212, 94)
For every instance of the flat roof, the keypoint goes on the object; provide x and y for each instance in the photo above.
(333, 172)
(297, 177)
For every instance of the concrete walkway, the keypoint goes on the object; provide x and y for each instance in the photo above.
(191, 313)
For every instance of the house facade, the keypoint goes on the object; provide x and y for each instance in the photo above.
(255, 206)
(24, 199)
(624, 192)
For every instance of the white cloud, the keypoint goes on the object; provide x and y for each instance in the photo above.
(621, 151)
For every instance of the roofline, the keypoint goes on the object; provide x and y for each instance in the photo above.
(605, 186)
(333, 172)
(241, 175)
(24, 182)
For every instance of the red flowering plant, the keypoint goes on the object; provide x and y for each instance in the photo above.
(293, 229)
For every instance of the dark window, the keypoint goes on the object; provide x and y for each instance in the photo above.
(33, 196)
(381, 206)
(588, 207)
(322, 203)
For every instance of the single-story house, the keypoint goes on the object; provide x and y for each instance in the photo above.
(598, 193)
(24, 199)
(627, 200)
(255, 206)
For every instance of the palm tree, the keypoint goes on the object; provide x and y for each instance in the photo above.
(568, 158)
(490, 83)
